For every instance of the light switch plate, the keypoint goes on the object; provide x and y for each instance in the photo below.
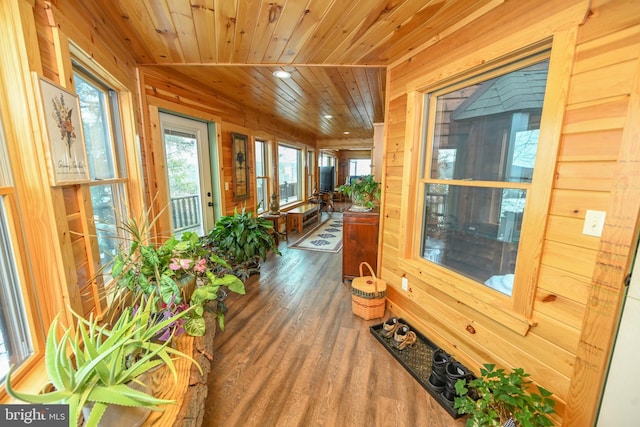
(405, 284)
(593, 223)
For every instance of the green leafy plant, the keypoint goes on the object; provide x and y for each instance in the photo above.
(176, 274)
(495, 397)
(243, 240)
(363, 192)
(98, 365)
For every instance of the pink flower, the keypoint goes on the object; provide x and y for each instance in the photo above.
(201, 266)
(178, 263)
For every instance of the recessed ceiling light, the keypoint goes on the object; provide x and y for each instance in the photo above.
(328, 116)
(346, 132)
(281, 74)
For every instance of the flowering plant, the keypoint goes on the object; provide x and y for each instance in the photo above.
(176, 275)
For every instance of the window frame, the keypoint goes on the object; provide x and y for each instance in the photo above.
(513, 312)
(23, 373)
(119, 183)
(264, 151)
(300, 174)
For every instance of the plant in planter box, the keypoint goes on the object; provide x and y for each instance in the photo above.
(176, 274)
(363, 193)
(243, 240)
(98, 367)
(496, 397)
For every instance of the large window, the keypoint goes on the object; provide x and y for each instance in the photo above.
(15, 337)
(262, 176)
(289, 174)
(481, 139)
(359, 167)
(103, 134)
(311, 172)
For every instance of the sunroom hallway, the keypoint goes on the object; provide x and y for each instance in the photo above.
(293, 354)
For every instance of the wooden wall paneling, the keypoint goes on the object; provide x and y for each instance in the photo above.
(569, 230)
(595, 176)
(88, 30)
(598, 145)
(472, 47)
(614, 80)
(573, 203)
(617, 245)
(557, 332)
(569, 258)
(599, 115)
(612, 48)
(158, 182)
(569, 285)
(559, 307)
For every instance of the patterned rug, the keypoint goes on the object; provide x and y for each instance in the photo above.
(327, 237)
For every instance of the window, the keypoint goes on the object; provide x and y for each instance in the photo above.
(101, 124)
(327, 159)
(311, 173)
(15, 336)
(289, 174)
(262, 176)
(481, 139)
(359, 167)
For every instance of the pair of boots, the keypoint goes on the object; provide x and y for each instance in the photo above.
(445, 372)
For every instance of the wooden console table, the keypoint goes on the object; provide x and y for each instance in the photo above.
(302, 215)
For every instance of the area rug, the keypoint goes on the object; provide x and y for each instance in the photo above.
(327, 237)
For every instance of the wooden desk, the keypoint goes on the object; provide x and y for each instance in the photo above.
(302, 215)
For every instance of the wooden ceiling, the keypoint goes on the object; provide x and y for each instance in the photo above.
(336, 50)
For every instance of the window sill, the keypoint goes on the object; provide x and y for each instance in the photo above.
(32, 381)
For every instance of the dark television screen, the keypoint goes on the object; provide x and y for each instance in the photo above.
(327, 179)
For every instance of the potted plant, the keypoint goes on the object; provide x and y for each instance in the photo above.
(363, 193)
(496, 398)
(95, 367)
(242, 240)
(177, 274)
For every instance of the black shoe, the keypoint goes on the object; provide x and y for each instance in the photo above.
(438, 377)
(454, 372)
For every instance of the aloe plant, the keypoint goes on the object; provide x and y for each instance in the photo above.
(96, 364)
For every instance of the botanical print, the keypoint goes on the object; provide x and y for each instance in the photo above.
(64, 128)
(62, 115)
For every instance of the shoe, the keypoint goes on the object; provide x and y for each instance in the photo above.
(403, 337)
(408, 341)
(438, 377)
(454, 372)
(389, 327)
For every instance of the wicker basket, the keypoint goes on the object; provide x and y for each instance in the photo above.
(368, 295)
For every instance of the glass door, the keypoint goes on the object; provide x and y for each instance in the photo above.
(188, 166)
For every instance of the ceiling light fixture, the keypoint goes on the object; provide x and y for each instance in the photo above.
(328, 116)
(346, 132)
(281, 74)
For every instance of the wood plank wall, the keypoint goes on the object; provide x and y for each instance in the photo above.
(576, 302)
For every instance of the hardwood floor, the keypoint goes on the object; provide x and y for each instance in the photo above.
(293, 354)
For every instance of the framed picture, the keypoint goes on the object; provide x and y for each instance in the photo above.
(239, 144)
(66, 149)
